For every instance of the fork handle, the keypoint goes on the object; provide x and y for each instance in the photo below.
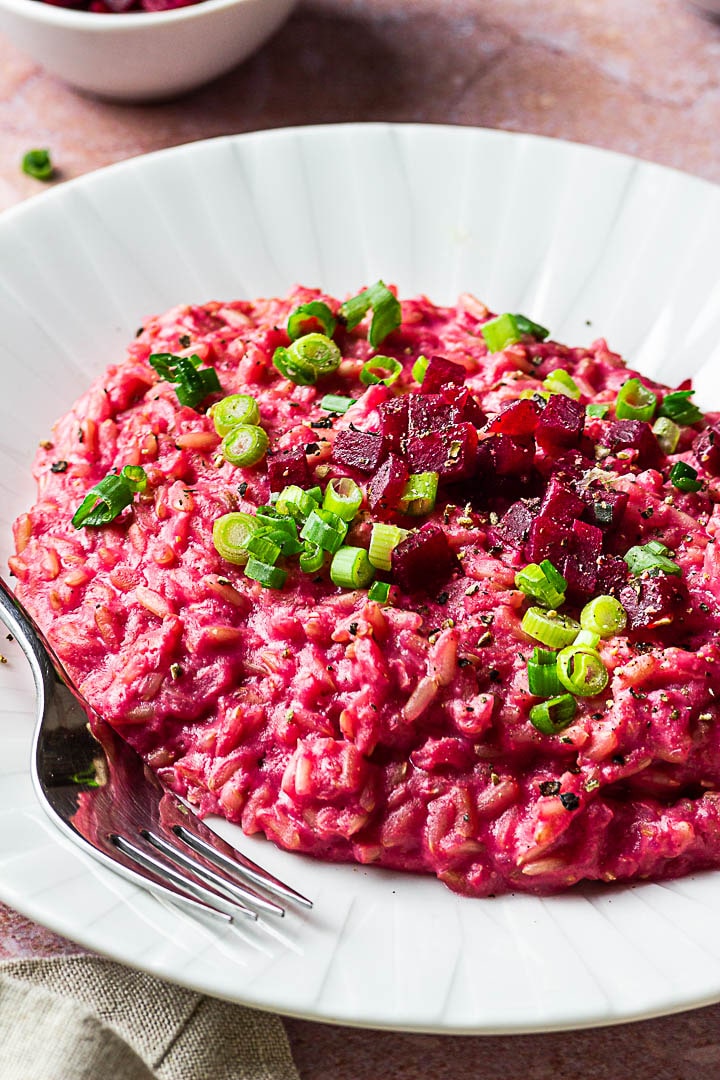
(26, 636)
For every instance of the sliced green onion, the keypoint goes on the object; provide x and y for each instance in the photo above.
(684, 477)
(192, 383)
(297, 371)
(315, 493)
(233, 410)
(383, 539)
(678, 407)
(325, 529)
(549, 627)
(501, 332)
(380, 369)
(312, 559)
(271, 577)
(231, 534)
(651, 557)
(287, 542)
(419, 368)
(551, 717)
(263, 548)
(109, 497)
(532, 329)
(604, 616)
(268, 516)
(343, 497)
(306, 313)
(581, 671)
(351, 568)
(667, 433)
(295, 503)
(379, 591)
(560, 381)
(337, 404)
(589, 638)
(245, 444)
(419, 494)
(318, 351)
(387, 313)
(635, 401)
(135, 477)
(542, 675)
(598, 409)
(543, 583)
(37, 163)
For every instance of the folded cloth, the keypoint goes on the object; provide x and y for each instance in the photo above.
(87, 1018)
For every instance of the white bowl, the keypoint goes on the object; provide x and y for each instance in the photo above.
(141, 56)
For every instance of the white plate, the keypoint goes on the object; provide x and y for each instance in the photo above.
(563, 232)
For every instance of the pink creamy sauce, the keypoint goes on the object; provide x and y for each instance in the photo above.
(393, 735)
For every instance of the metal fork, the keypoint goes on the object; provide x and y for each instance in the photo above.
(98, 791)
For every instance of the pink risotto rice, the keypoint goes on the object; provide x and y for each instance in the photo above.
(399, 733)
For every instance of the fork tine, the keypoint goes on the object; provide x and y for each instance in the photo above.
(227, 857)
(169, 874)
(222, 883)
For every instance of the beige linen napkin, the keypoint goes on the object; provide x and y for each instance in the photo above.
(87, 1018)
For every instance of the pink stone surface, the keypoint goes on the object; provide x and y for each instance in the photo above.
(640, 76)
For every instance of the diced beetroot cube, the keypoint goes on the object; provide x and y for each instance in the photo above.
(288, 467)
(560, 423)
(428, 413)
(632, 435)
(451, 452)
(612, 574)
(571, 466)
(423, 559)
(465, 405)
(652, 602)
(606, 507)
(388, 484)
(706, 448)
(579, 565)
(548, 539)
(441, 371)
(361, 450)
(393, 422)
(513, 527)
(561, 503)
(505, 455)
(518, 418)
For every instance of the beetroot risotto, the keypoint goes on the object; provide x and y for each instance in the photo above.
(400, 584)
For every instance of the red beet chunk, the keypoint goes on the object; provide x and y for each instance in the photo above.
(548, 539)
(361, 450)
(579, 566)
(706, 448)
(428, 413)
(612, 574)
(560, 423)
(632, 435)
(652, 602)
(439, 372)
(423, 560)
(505, 455)
(388, 484)
(518, 418)
(513, 527)
(606, 508)
(464, 404)
(393, 422)
(288, 467)
(560, 503)
(451, 452)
